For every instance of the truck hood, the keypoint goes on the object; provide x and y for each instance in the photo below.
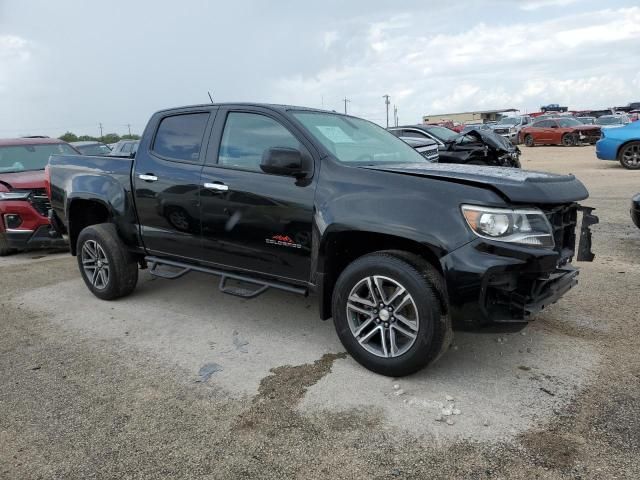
(23, 180)
(518, 186)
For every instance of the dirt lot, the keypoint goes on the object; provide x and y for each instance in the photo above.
(179, 381)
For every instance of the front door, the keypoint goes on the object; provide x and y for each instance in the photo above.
(167, 184)
(252, 220)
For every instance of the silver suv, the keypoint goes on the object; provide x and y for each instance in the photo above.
(509, 127)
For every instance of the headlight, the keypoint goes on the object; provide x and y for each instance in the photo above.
(14, 195)
(523, 226)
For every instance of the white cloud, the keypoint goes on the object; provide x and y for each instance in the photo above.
(537, 4)
(15, 53)
(584, 60)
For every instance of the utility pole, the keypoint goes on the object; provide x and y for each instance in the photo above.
(387, 103)
(129, 127)
(100, 125)
(395, 115)
(345, 100)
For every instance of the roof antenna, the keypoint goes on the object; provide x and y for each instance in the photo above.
(210, 97)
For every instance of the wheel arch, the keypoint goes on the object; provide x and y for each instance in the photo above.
(82, 213)
(622, 145)
(339, 249)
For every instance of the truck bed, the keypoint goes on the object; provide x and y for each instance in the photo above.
(106, 179)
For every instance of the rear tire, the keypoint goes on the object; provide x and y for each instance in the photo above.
(629, 156)
(528, 141)
(407, 332)
(4, 246)
(106, 266)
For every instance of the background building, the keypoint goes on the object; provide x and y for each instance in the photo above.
(480, 116)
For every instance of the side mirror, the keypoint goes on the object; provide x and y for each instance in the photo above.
(554, 126)
(283, 161)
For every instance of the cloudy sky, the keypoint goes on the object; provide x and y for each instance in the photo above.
(69, 65)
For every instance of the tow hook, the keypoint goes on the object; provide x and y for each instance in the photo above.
(584, 247)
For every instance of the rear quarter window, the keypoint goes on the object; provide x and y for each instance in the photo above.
(179, 137)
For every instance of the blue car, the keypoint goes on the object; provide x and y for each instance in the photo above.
(622, 144)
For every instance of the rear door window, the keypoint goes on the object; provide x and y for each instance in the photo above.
(179, 137)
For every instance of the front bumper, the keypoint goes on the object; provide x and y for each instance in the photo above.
(607, 149)
(492, 282)
(43, 237)
(34, 229)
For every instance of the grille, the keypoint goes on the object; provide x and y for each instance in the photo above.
(40, 201)
(501, 130)
(563, 220)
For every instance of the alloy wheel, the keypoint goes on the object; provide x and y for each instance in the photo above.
(631, 155)
(382, 316)
(95, 264)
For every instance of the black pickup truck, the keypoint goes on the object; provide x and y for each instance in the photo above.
(265, 196)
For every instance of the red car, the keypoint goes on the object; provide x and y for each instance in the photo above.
(24, 203)
(559, 131)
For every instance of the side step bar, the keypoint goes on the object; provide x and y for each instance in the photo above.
(261, 285)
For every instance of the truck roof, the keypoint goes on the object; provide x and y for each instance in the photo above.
(14, 142)
(274, 106)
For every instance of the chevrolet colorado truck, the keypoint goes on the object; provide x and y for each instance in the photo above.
(397, 249)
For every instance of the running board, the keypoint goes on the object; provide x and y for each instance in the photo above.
(237, 291)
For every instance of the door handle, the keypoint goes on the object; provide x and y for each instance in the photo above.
(147, 177)
(221, 187)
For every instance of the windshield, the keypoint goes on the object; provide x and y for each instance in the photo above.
(608, 120)
(568, 122)
(443, 134)
(509, 121)
(95, 149)
(356, 141)
(587, 120)
(18, 158)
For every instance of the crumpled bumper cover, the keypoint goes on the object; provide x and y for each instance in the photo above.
(492, 282)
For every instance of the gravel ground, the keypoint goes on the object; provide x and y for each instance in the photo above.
(178, 381)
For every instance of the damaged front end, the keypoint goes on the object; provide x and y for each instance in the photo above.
(489, 146)
(496, 283)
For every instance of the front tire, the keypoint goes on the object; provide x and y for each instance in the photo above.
(106, 266)
(568, 140)
(629, 156)
(389, 313)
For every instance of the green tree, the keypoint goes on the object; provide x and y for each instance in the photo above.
(87, 138)
(69, 137)
(111, 138)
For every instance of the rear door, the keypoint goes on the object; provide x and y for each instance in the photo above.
(166, 181)
(252, 220)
